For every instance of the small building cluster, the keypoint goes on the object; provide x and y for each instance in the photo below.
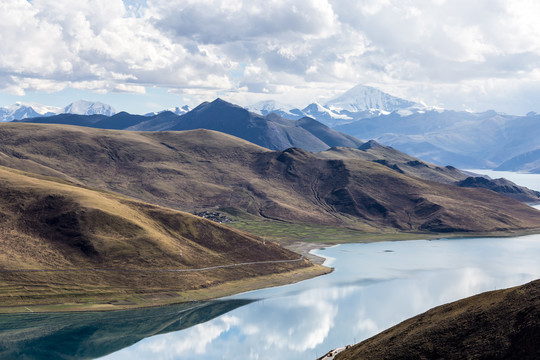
(214, 216)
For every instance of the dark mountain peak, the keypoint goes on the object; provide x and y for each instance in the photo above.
(307, 121)
(121, 113)
(218, 107)
(219, 102)
(371, 144)
(166, 113)
(200, 106)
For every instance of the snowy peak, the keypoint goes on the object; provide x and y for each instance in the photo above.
(316, 109)
(175, 110)
(180, 110)
(21, 110)
(272, 106)
(85, 107)
(362, 98)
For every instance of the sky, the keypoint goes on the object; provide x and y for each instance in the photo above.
(148, 55)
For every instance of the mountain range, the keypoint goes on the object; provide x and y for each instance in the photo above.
(357, 103)
(270, 131)
(277, 133)
(90, 198)
(19, 110)
(462, 139)
(445, 137)
(459, 138)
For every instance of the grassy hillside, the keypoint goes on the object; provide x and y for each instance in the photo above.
(202, 169)
(502, 324)
(64, 243)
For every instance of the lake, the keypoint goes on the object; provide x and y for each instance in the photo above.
(373, 287)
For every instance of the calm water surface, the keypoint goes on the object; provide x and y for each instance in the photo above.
(373, 287)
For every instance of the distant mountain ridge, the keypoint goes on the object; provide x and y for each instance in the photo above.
(359, 102)
(462, 139)
(271, 131)
(459, 138)
(361, 98)
(178, 110)
(20, 110)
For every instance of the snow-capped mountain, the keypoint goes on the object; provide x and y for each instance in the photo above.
(361, 98)
(357, 103)
(180, 110)
(325, 115)
(176, 110)
(85, 107)
(272, 106)
(21, 110)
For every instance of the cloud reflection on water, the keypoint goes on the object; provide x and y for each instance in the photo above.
(370, 291)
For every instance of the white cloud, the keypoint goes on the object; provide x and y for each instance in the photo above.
(246, 49)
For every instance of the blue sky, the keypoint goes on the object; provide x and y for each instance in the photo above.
(146, 55)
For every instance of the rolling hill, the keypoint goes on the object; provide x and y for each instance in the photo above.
(63, 243)
(502, 324)
(411, 166)
(202, 169)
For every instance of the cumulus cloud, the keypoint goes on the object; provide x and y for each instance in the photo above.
(282, 48)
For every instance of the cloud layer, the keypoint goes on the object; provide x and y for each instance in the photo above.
(454, 54)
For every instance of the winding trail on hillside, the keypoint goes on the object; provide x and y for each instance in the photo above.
(156, 270)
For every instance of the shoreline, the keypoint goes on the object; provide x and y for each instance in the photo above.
(132, 301)
(136, 300)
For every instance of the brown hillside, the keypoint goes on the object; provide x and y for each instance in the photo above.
(201, 169)
(503, 324)
(63, 242)
(408, 165)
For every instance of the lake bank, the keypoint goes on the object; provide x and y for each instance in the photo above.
(125, 301)
(99, 301)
